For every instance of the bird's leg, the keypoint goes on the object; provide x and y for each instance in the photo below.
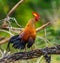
(46, 56)
(8, 49)
(25, 48)
(32, 47)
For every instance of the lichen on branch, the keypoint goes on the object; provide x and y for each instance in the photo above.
(30, 54)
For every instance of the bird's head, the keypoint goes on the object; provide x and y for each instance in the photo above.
(36, 16)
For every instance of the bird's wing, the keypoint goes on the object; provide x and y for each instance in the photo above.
(30, 42)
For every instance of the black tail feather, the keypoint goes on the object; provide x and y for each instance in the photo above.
(12, 40)
(17, 42)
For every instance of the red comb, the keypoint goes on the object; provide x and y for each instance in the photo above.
(35, 14)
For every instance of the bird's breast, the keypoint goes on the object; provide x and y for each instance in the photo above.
(28, 33)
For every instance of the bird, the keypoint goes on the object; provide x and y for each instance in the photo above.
(27, 37)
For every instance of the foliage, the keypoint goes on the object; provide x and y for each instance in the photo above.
(48, 10)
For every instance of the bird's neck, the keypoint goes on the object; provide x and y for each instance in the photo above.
(31, 23)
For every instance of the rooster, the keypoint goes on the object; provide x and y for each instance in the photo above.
(27, 36)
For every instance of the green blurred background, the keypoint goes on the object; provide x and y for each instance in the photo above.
(48, 10)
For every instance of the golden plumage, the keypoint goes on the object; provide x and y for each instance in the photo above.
(27, 36)
(29, 30)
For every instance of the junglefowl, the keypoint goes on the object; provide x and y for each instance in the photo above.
(27, 36)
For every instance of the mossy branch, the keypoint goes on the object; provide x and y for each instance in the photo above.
(30, 54)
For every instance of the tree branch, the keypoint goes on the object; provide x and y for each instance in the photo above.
(14, 8)
(30, 55)
(20, 29)
(6, 19)
(1, 38)
(43, 26)
(4, 41)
